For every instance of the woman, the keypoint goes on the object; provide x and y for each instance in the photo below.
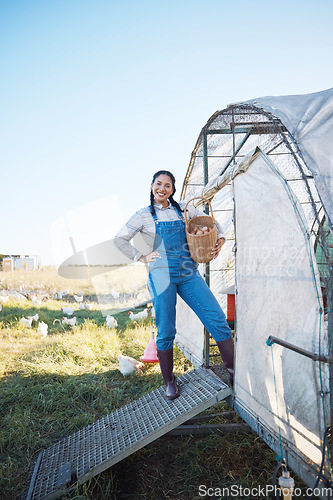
(172, 271)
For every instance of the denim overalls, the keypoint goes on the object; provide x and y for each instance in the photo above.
(176, 272)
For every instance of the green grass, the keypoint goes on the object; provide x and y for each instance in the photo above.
(52, 387)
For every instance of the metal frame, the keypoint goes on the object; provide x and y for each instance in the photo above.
(272, 125)
(269, 124)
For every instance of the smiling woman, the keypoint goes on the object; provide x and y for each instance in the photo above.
(162, 188)
(172, 272)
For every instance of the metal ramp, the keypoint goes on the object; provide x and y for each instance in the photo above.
(90, 451)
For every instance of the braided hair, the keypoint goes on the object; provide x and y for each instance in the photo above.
(172, 201)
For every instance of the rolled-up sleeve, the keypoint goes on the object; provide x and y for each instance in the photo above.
(126, 234)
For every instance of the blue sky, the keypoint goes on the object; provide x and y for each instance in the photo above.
(98, 95)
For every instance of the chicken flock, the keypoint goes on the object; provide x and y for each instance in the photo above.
(127, 365)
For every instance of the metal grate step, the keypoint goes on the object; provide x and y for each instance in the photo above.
(88, 452)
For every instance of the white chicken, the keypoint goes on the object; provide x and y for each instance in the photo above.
(128, 365)
(34, 318)
(78, 298)
(26, 322)
(142, 296)
(85, 305)
(0, 306)
(111, 322)
(140, 315)
(42, 329)
(68, 310)
(36, 300)
(69, 321)
(18, 296)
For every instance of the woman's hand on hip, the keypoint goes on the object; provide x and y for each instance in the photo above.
(216, 250)
(150, 257)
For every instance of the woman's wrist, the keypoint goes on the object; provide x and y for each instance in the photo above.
(137, 257)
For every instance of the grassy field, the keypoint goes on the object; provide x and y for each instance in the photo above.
(51, 387)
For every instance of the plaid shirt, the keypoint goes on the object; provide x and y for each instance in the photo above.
(141, 227)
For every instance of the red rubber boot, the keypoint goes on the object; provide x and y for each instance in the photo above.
(226, 348)
(165, 359)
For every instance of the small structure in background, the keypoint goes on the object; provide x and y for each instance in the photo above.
(21, 262)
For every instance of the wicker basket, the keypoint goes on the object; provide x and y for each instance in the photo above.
(200, 246)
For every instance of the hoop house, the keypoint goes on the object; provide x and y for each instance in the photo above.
(266, 167)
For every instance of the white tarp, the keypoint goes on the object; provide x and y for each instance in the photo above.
(190, 333)
(284, 395)
(278, 294)
(309, 118)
